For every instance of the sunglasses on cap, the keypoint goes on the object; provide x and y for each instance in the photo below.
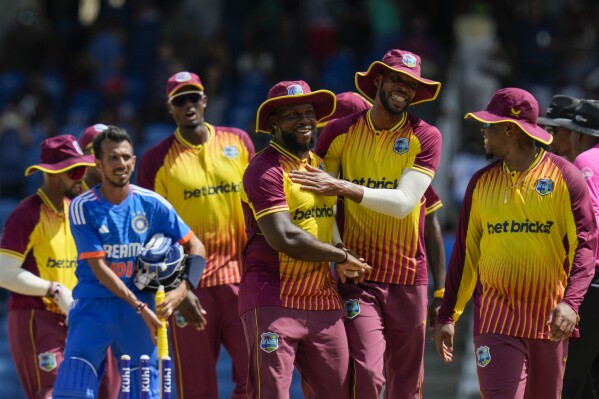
(76, 173)
(181, 100)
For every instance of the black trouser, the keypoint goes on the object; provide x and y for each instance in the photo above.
(581, 378)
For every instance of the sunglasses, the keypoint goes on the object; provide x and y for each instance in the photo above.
(181, 100)
(486, 125)
(76, 173)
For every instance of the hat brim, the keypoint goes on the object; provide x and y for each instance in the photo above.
(534, 131)
(62, 166)
(547, 122)
(183, 84)
(568, 124)
(428, 90)
(323, 100)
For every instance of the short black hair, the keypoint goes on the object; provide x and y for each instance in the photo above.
(113, 133)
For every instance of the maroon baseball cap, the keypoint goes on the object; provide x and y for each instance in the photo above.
(182, 79)
(90, 133)
(59, 154)
(347, 103)
(403, 62)
(290, 93)
(514, 105)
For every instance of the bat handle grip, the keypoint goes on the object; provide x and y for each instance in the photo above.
(162, 333)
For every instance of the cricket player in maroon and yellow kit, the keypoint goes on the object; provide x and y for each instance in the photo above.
(198, 170)
(289, 305)
(38, 258)
(525, 250)
(385, 159)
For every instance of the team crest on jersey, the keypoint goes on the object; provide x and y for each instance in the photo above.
(231, 151)
(140, 224)
(401, 145)
(544, 186)
(409, 60)
(483, 356)
(587, 173)
(352, 307)
(269, 342)
(180, 320)
(47, 361)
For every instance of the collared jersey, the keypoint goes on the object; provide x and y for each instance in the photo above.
(588, 164)
(39, 236)
(272, 278)
(203, 184)
(354, 149)
(117, 233)
(525, 241)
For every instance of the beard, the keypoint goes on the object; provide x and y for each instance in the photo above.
(294, 146)
(384, 97)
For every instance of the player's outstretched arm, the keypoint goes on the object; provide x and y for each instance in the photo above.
(444, 341)
(16, 279)
(115, 285)
(435, 253)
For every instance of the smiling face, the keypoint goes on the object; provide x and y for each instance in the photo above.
(395, 91)
(117, 163)
(294, 127)
(187, 107)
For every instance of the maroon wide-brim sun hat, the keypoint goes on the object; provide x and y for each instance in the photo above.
(347, 103)
(398, 61)
(292, 93)
(517, 106)
(59, 154)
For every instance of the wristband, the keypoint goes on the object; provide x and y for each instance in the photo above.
(346, 256)
(140, 307)
(194, 267)
(439, 293)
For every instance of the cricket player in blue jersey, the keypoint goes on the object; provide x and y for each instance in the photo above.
(111, 223)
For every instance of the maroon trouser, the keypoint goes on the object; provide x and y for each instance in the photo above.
(386, 333)
(313, 340)
(517, 368)
(36, 339)
(196, 351)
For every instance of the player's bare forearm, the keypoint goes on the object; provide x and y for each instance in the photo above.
(320, 182)
(111, 281)
(435, 250)
(195, 247)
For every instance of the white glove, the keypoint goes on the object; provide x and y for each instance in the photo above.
(61, 296)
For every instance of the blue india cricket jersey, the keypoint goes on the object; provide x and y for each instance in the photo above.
(118, 233)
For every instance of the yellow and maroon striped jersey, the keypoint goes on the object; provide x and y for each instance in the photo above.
(203, 182)
(272, 278)
(525, 242)
(353, 149)
(39, 236)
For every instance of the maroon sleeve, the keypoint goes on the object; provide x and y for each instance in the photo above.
(431, 198)
(430, 141)
(20, 224)
(583, 265)
(456, 261)
(263, 183)
(150, 163)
